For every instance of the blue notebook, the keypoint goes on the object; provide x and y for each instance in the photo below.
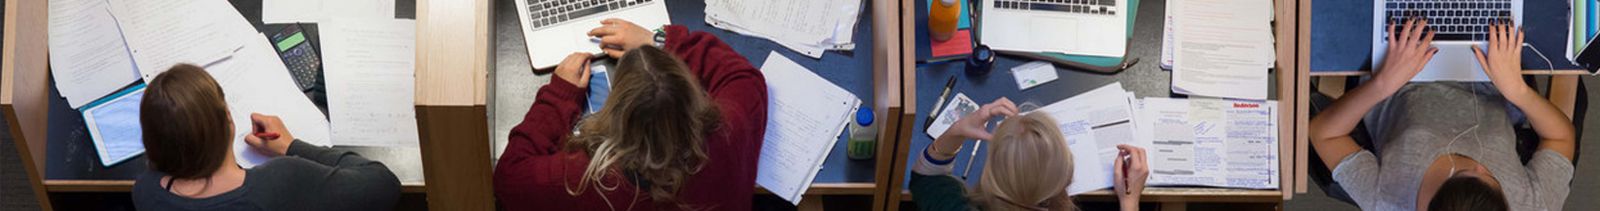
(113, 123)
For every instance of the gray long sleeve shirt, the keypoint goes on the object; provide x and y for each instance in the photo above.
(309, 178)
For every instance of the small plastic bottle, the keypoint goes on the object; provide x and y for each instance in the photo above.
(944, 16)
(863, 136)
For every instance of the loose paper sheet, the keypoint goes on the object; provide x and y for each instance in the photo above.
(369, 66)
(805, 115)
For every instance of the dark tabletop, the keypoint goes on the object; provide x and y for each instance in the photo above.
(71, 153)
(850, 70)
(1341, 34)
(1146, 79)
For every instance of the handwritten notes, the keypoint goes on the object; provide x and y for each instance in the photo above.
(805, 115)
(254, 80)
(369, 67)
(162, 33)
(88, 57)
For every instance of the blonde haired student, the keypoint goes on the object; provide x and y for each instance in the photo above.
(1028, 166)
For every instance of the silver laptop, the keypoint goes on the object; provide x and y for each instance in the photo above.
(1080, 27)
(554, 29)
(1457, 25)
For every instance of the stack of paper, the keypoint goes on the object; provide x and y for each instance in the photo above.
(1222, 143)
(1229, 144)
(1094, 123)
(805, 115)
(88, 58)
(1220, 48)
(807, 27)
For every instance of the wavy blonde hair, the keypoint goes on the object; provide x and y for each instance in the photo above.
(1029, 167)
(653, 127)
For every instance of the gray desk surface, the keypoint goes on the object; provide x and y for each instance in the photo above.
(849, 70)
(71, 154)
(1145, 79)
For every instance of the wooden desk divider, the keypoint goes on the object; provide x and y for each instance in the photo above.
(24, 87)
(892, 36)
(453, 56)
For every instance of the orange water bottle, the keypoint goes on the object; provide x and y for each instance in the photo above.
(943, 18)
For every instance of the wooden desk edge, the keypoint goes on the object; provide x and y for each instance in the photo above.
(1524, 72)
(107, 186)
(1158, 194)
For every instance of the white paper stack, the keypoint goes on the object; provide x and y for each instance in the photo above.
(807, 27)
(1219, 48)
(1210, 142)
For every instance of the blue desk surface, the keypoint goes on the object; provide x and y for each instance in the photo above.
(849, 70)
(1341, 34)
(72, 155)
(1146, 79)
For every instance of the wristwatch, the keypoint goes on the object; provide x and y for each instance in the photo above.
(660, 38)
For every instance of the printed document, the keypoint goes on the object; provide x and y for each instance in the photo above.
(369, 66)
(1220, 48)
(88, 58)
(1233, 144)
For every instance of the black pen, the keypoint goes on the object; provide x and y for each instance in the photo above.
(936, 106)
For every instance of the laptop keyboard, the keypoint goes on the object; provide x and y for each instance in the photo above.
(546, 13)
(1451, 19)
(1093, 7)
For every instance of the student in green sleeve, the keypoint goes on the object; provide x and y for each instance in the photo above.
(1029, 166)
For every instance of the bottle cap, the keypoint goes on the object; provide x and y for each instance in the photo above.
(864, 116)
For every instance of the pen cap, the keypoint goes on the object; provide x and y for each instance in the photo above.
(864, 116)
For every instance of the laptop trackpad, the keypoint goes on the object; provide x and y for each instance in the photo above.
(1053, 34)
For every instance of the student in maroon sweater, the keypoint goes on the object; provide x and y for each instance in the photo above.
(682, 129)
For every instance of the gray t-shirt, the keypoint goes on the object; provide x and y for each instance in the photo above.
(1418, 124)
(309, 178)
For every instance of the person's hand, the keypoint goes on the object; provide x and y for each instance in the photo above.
(1502, 60)
(1409, 50)
(268, 135)
(617, 36)
(575, 70)
(974, 125)
(1130, 174)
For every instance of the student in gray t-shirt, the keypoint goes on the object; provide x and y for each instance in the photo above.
(1446, 146)
(188, 139)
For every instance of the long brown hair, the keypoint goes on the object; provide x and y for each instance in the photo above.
(187, 131)
(653, 126)
(1029, 166)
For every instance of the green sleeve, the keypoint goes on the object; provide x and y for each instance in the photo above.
(938, 192)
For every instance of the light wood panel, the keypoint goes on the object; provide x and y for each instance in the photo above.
(453, 56)
(1288, 84)
(24, 81)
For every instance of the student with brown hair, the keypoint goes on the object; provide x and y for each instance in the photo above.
(1446, 145)
(188, 139)
(681, 129)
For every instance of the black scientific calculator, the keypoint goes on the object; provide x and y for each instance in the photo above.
(305, 66)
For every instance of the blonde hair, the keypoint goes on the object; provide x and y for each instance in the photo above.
(653, 127)
(1029, 167)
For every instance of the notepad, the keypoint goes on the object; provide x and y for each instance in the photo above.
(805, 115)
(371, 79)
(113, 124)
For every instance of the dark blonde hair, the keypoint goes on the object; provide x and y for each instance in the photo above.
(187, 131)
(1029, 166)
(653, 126)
